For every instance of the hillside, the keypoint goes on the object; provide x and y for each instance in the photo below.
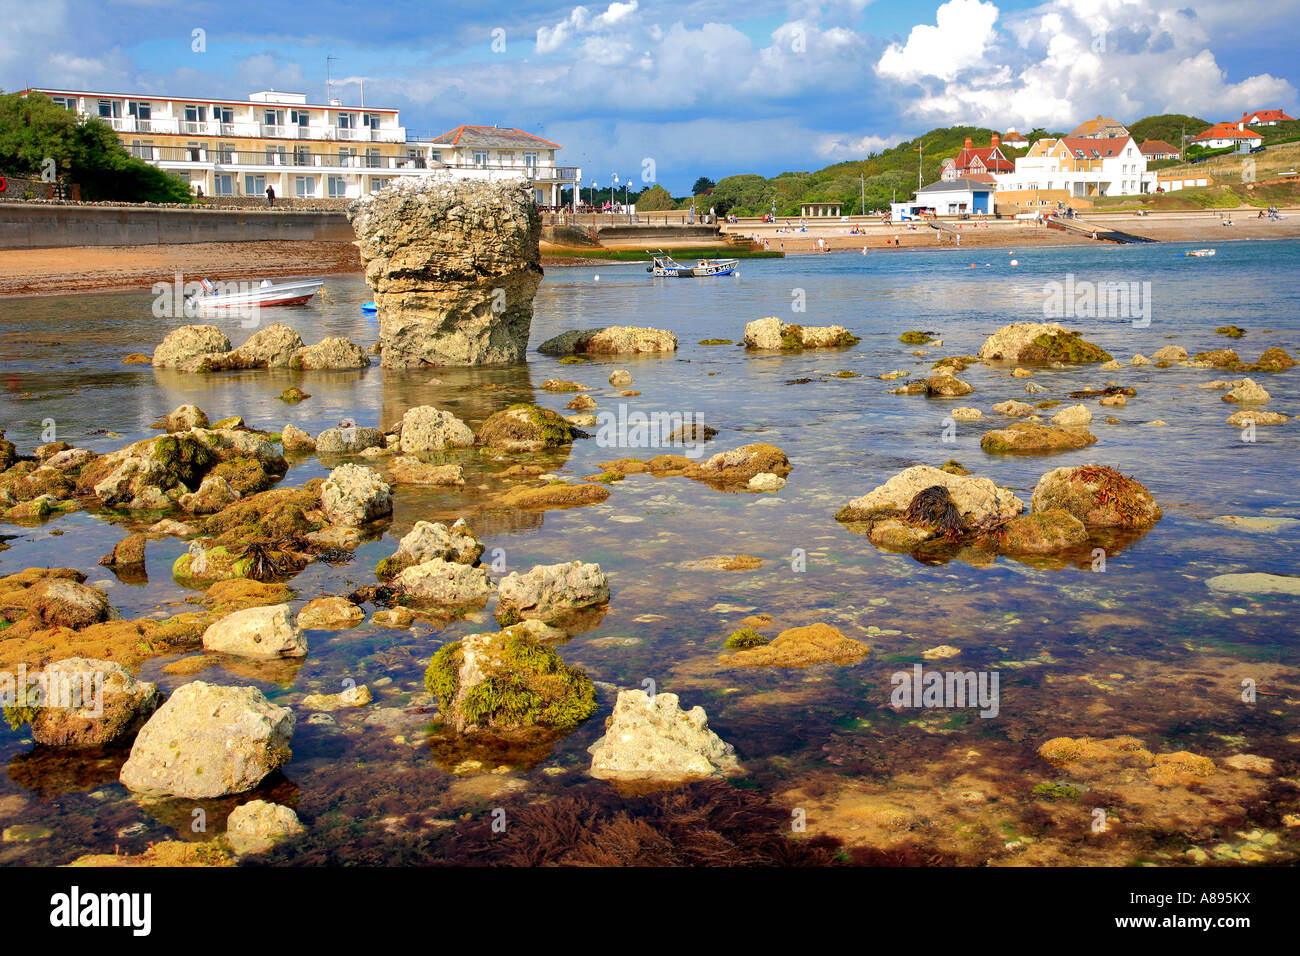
(1168, 127)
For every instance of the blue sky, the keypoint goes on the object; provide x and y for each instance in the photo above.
(699, 87)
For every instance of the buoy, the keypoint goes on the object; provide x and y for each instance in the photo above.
(972, 265)
(597, 278)
(1011, 252)
(1015, 262)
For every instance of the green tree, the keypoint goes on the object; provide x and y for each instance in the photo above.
(745, 194)
(654, 199)
(702, 186)
(85, 151)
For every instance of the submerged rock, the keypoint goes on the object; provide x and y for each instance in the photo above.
(740, 465)
(354, 495)
(105, 704)
(266, 632)
(613, 340)
(1043, 532)
(1248, 393)
(406, 470)
(1026, 342)
(454, 265)
(1247, 416)
(426, 428)
(208, 741)
(652, 739)
(1255, 582)
(977, 500)
(330, 613)
(507, 681)
(1030, 439)
(549, 591)
(774, 335)
(1099, 497)
(802, 647)
(526, 428)
(257, 826)
(1169, 353)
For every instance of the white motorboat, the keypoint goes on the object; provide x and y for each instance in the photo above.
(666, 266)
(243, 295)
(1198, 253)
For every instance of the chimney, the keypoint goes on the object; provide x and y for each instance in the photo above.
(995, 141)
(968, 142)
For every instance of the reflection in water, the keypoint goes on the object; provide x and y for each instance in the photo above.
(1141, 647)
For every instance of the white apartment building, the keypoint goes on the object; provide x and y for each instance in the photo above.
(303, 150)
(1084, 167)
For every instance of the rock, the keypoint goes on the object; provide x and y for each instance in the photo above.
(1099, 497)
(1169, 353)
(1255, 582)
(1111, 366)
(978, 500)
(186, 417)
(1258, 416)
(1026, 342)
(1033, 388)
(507, 681)
(559, 385)
(296, 441)
(1273, 359)
(329, 613)
(257, 826)
(428, 540)
(1030, 439)
(740, 465)
(270, 347)
(947, 386)
(773, 334)
(426, 428)
(60, 602)
(213, 495)
(454, 264)
(411, 471)
(136, 358)
(354, 495)
(620, 378)
(72, 459)
(1139, 359)
(723, 562)
(582, 403)
(176, 529)
(393, 617)
(1248, 393)
(1113, 401)
(765, 481)
(653, 739)
(444, 584)
(208, 741)
(293, 395)
(265, 632)
(1014, 409)
(1021, 373)
(1218, 358)
(526, 428)
(171, 854)
(127, 553)
(555, 494)
(1266, 524)
(547, 592)
(349, 440)
(1043, 532)
(334, 353)
(802, 647)
(896, 535)
(966, 414)
(95, 703)
(613, 340)
(359, 696)
(186, 347)
(1072, 416)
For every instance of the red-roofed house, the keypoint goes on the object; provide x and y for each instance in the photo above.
(1228, 134)
(1154, 149)
(1014, 140)
(1266, 118)
(1082, 166)
(492, 152)
(977, 162)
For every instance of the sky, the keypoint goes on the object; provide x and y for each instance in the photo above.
(670, 90)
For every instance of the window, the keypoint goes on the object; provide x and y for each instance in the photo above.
(372, 158)
(272, 117)
(337, 187)
(254, 185)
(223, 114)
(223, 184)
(275, 155)
(194, 115)
(67, 102)
(436, 155)
(480, 157)
(226, 153)
(298, 118)
(347, 121)
(301, 156)
(530, 159)
(110, 109)
(139, 150)
(377, 183)
(304, 187)
(139, 109)
(370, 119)
(193, 152)
(346, 156)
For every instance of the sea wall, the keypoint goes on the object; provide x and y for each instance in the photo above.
(53, 225)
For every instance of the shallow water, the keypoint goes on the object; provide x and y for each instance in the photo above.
(1142, 647)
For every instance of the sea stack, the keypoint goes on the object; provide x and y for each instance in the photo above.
(454, 265)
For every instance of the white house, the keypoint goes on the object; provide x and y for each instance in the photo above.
(1081, 166)
(1221, 135)
(948, 197)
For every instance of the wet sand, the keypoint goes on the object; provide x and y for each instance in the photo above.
(79, 269)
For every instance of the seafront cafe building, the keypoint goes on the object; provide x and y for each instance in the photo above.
(953, 197)
(816, 210)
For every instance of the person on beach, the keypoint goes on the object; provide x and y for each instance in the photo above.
(270, 195)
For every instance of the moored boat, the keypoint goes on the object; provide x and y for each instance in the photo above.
(239, 295)
(666, 266)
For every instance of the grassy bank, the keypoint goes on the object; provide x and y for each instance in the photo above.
(639, 255)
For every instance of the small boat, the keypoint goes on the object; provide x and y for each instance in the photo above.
(239, 295)
(1198, 252)
(666, 265)
(369, 306)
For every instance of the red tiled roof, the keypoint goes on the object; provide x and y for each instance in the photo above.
(1268, 116)
(1151, 147)
(990, 158)
(1227, 131)
(492, 136)
(1104, 148)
